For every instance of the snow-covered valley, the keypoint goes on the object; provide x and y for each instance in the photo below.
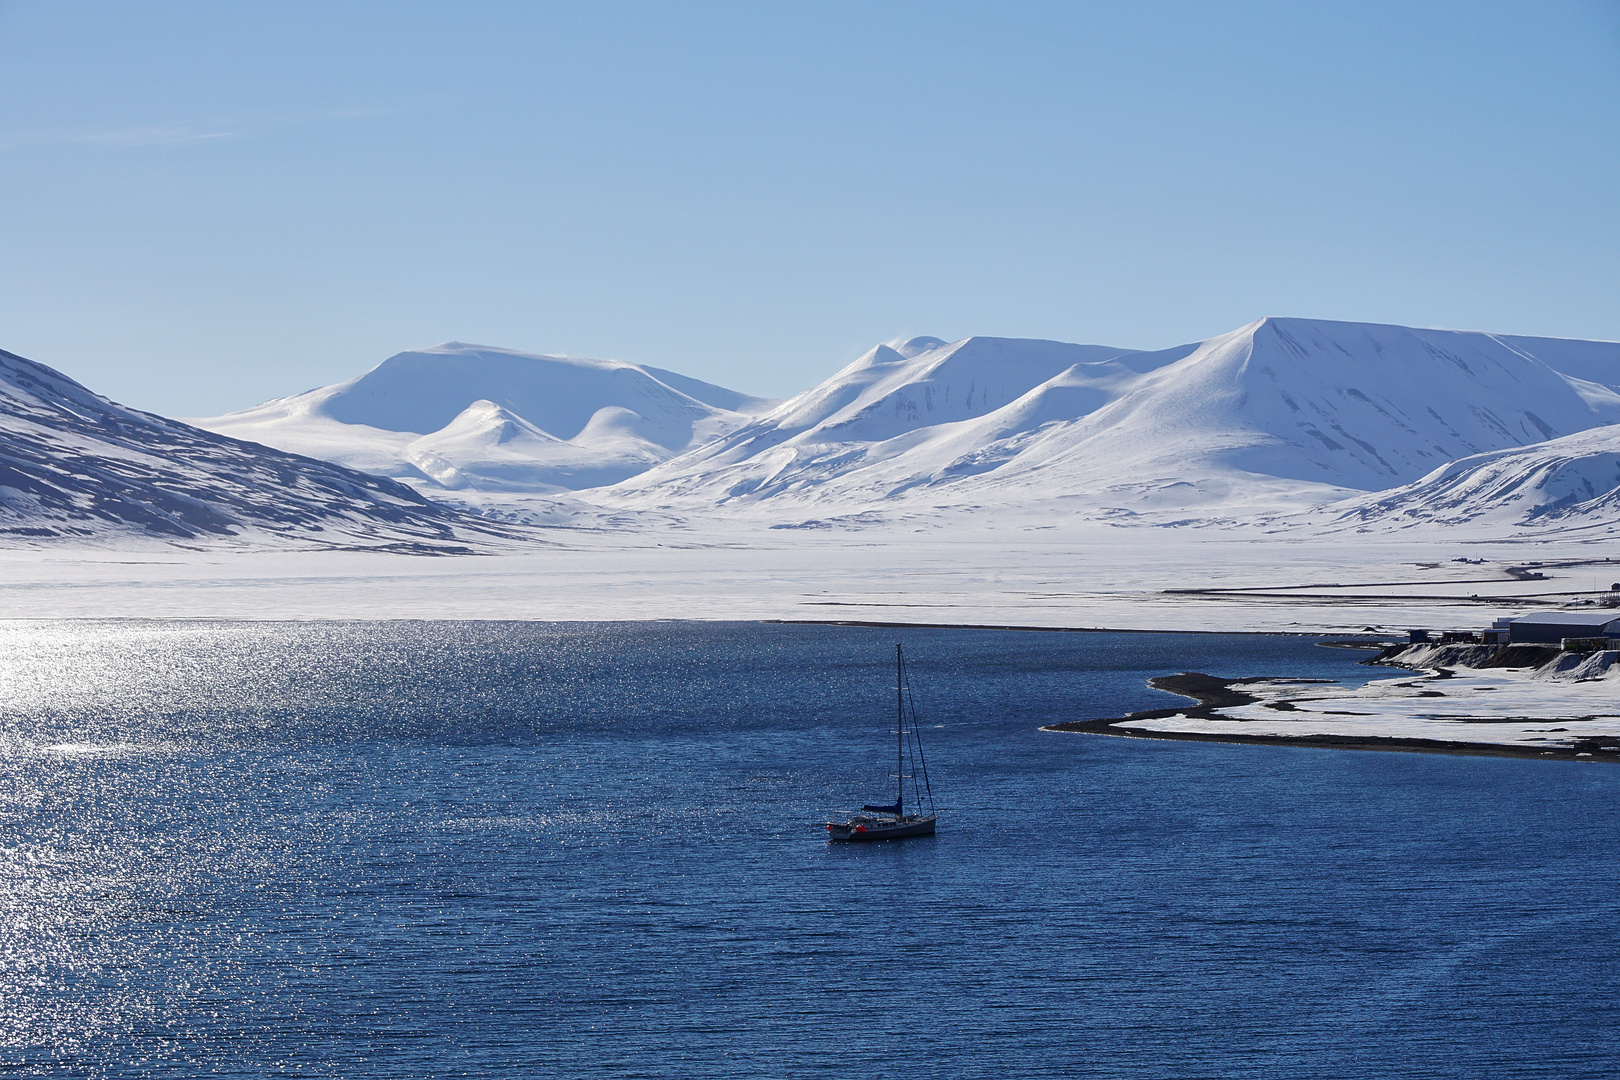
(1289, 475)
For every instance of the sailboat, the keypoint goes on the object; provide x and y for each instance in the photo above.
(892, 822)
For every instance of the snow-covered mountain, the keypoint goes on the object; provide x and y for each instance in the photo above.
(462, 416)
(1277, 413)
(74, 464)
(1572, 482)
(1275, 417)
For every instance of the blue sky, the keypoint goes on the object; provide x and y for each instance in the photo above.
(206, 205)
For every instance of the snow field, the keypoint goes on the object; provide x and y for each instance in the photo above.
(1524, 708)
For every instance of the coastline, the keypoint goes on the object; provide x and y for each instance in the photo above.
(1347, 640)
(1212, 694)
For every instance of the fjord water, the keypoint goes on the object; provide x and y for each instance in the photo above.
(414, 849)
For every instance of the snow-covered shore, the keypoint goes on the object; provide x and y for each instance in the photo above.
(1452, 699)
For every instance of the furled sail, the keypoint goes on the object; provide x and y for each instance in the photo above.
(895, 809)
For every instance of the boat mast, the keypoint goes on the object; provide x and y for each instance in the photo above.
(899, 727)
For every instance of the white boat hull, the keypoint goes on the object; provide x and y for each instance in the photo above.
(863, 830)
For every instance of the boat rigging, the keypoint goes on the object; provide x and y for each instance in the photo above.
(892, 822)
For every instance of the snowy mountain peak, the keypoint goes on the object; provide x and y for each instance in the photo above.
(1356, 405)
(877, 356)
(1274, 416)
(1283, 409)
(1294, 409)
(424, 390)
(458, 415)
(492, 423)
(914, 346)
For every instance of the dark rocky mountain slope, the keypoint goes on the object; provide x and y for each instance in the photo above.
(75, 465)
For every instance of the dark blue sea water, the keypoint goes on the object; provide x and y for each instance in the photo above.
(427, 849)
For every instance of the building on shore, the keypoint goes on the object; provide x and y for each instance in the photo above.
(1552, 627)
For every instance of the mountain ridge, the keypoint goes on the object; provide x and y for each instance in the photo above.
(610, 418)
(1572, 482)
(74, 464)
(1382, 425)
(1310, 409)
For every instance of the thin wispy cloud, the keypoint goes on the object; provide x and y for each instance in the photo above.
(181, 133)
(150, 135)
